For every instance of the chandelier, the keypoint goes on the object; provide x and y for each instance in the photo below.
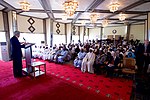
(122, 17)
(83, 22)
(64, 17)
(105, 23)
(25, 6)
(70, 7)
(94, 17)
(113, 6)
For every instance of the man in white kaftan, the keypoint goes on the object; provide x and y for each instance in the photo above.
(88, 62)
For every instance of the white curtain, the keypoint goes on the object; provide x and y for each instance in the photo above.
(31, 38)
(75, 38)
(58, 39)
(2, 37)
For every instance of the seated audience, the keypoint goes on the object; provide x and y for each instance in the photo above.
(79, 58)
(99, 61)
(62, 56)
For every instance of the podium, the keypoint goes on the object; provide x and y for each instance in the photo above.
(31, 66)
(28, 57)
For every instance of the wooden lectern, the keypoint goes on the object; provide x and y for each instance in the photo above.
(28, 57)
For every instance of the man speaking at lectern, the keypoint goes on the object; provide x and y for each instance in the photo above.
(16, 54)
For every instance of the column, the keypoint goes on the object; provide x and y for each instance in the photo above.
(66, 33)
(101, 33)
(6, 29)
(12, 17)
(128, 32)
(148, 27)
(82, 34)
(88, 32)
(79, 32)
(145, 32)
(71, 33)
(44, 31)
(51, 32)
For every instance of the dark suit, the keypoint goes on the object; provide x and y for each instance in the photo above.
(140, 58)
(16, 56)
(147, 58)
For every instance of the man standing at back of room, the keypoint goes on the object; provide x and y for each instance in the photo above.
(16, 54)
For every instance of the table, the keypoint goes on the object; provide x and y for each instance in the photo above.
(36, 66)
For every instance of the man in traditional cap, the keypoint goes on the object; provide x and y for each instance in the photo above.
(88, 61)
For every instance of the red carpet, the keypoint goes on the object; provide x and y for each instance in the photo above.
(68, 84)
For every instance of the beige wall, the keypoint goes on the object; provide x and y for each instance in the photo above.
(61, 28)
(48, 31)
(76, 36)
(137, 32)
(81, 34)
(94, 33)
(23, 24)
(121, 30)
(1, 22)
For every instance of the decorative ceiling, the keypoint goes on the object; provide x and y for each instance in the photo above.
(135, 10)
(1, 7)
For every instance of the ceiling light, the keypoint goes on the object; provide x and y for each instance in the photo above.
(94, 17)
(122, 17)
(64, 17)
(105, 23)
(25, 6)
(83, 22)
(114, 6)
(70, 7)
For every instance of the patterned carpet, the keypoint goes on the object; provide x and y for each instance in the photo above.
(63, 81)
(114, 88)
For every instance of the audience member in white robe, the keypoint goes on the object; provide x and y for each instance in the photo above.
(78, 60)
(37, 52)
(34, 51)
(88, 62)
(45, 53)
(41, 50)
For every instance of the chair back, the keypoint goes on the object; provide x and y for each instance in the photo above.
(129, 63)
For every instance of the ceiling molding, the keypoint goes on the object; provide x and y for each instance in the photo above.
(128, 7)
(140, 2)
(130, 18)
(95, 10)
(7, 6)
(137, 16)
(136, 23)
(31, 10)
(126, 12)
(91, 7)
(47, 7)
(127, 19)
(30, 16)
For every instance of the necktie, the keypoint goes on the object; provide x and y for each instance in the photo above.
(145, 48)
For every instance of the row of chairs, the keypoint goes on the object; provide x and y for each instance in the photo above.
(128, 67)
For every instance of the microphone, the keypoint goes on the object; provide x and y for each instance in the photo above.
(24, 39)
